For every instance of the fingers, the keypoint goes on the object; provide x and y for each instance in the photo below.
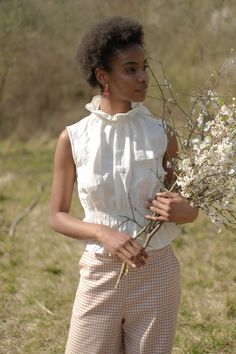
(138, 247)
(161, 211)
(161, 203)
(132, 261)
(162, 206)
(123, 246)
(138, 252)
(158, 218)
(167, 194)
(170, 207)
(133, 254)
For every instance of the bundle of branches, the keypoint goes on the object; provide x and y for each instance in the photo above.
(205, 169)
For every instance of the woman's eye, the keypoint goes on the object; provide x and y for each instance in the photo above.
(133, 70)
(130, 70)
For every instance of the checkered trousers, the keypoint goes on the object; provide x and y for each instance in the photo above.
(138, 317)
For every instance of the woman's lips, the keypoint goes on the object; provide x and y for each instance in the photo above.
(143, 89)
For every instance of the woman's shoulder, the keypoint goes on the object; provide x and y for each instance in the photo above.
(80, 123)
(81, 127)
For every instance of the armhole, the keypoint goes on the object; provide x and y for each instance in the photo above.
(72, 143)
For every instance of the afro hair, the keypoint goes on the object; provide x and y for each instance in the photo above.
(100, 44)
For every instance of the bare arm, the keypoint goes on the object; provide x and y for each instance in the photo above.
(117, 243)
(171, 206)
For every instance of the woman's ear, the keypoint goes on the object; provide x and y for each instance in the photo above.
(101, 76)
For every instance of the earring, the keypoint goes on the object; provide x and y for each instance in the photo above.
(106, 92)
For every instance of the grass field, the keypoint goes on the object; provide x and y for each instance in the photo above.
(39, 268)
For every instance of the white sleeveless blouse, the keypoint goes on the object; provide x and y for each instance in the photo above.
(118, 168)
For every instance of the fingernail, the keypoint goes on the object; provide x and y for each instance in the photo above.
(134, 265)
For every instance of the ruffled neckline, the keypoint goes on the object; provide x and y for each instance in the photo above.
(94, 105)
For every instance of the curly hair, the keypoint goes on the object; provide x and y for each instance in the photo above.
(100, 44)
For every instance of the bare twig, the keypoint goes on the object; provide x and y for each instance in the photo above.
(152, 233)
(43, 307)
(204, 107)
(16, 221)
(124, 267)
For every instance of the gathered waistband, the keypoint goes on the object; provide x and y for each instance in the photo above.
(115, 216)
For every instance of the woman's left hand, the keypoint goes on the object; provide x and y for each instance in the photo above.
(171, 207)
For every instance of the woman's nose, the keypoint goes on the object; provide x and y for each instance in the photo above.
(142, 76)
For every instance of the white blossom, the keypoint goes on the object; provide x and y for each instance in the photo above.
(206, 173)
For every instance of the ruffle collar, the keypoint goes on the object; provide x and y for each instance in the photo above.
(94, 105)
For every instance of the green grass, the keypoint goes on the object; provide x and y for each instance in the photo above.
(39, 268)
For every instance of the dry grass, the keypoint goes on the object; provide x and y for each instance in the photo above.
(39, 269)
(40, 84)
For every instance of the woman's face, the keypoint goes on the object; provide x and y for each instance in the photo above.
(128, 79)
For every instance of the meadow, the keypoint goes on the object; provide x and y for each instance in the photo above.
(39, 268)
(41, 91)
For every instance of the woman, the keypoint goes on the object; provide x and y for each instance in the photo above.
(115, 154)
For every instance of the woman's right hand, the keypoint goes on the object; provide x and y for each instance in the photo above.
(123, 246)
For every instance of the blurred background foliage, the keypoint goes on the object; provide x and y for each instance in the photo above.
(41, 89)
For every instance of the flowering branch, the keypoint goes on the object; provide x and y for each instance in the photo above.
(205, 169)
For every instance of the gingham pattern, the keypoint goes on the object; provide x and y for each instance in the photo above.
(139, 317)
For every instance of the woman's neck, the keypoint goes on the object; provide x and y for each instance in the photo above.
(113, 107)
